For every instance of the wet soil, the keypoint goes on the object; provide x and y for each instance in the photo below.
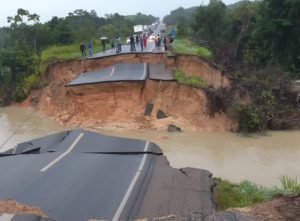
(13, 207)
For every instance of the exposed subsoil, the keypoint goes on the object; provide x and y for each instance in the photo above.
(280, 208)
(122, 104)
(13, 207)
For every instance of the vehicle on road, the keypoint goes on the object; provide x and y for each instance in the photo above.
(138, 28)
(162, 28)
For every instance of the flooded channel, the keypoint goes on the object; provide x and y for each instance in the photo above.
(260, 158)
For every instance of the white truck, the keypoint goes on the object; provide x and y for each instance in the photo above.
(138, 28)
(162, 28)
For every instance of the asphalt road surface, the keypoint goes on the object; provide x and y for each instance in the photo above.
(118, 72)
(160, 72)
(126, 49)
(78, 175)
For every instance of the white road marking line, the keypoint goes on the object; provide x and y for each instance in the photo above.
(15, 150)
(64, 154)
(112, 71)
(145, 70)
(6, 217)
(131, 186)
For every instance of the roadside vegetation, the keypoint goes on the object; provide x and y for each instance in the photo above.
(186, 47)
(28, 46)
(256, 43)
(229, 195)
(194, 81)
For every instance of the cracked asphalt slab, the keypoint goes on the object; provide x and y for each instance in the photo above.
(160, 72)
(81, 175)
(115, 73)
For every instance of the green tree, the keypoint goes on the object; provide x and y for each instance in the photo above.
(276, 38)
(60, 32)
(210, 22)
(22, 27)
(142, 19)
(176, 16)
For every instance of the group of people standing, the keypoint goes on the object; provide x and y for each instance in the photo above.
(116, 45)
(83, 48)
(139, 41)
(134, 41)
(166, 40)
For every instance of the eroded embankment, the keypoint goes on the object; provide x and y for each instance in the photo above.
(123, 104)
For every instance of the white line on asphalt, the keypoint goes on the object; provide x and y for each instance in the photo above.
(112, 71)
(64, 154)
(131, 186)
(15, 150)
(145, 70)
(6, 217)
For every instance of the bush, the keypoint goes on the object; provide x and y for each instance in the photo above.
(194, 81)
(249, 118)
(228, 195)
(30, 82)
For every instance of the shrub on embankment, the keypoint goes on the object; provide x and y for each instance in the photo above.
(186, 47)
(271, 102)
(194, 81)
(229, 195)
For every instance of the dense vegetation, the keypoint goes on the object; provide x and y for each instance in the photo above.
(28, 46)
(257, 43)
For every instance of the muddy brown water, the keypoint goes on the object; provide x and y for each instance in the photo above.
(259, 158)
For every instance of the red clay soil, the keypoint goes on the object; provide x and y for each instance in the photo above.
(13, 207)
(280, 208)
(123, 104)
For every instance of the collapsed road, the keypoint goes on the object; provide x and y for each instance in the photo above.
(129, 72)
(79, 175)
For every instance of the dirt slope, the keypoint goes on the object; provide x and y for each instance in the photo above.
(123, 104)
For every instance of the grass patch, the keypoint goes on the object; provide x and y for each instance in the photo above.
(194, 81)
(229, 195)
(58, 53)
(290, 184)
(65, 53)
(186, 47)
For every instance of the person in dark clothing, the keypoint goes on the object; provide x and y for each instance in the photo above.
(137, 40)
(158, 42)
(103, 42)
(119, 45)
(132, 45)
(165, 43)
(82, 49)
(112, 44)
(142, 43)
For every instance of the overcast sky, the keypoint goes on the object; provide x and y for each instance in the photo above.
(49, 8)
